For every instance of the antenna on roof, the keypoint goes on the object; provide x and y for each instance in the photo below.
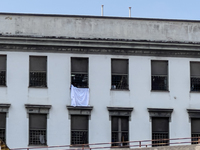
(129, 11)
(102, 10)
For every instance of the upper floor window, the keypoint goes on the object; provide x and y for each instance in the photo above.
(195, 76)
(119, 68)
(3, 70)
(159, 75)
(38, 71)
(79, 72)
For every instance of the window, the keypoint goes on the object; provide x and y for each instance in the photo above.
(120, 130)
(38, 71)
(2, 70)
(79, 72)
(3, 126)
(160, 131)
(79, 129)
(119, 69)
(37, 129)
(195, 130)
(80, 117)
(159, 75)
(195, 76)
(120, 117)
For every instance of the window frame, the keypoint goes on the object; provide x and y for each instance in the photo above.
(3, 130)
(46, 71)
(87, 74)
(114, 87)
(167, 77)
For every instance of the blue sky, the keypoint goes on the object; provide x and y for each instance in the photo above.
(166, 9)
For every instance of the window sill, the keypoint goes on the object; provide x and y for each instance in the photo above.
(3, 86)
(119, 89)
(38, 87)
(194, 91)
(40, 146)
(164, 91)
(79, 145)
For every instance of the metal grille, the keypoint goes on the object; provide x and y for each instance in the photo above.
(159, 83)
(79, 137)
(195, 138)
(37, 137)
(195, 83)
(3, 135)
(38, 79)
(119, 82)
(2, 77)
(115, 138)
(79, 80)
(160, 137)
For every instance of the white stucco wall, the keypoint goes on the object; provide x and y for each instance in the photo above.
(57, 94)
(100, 27)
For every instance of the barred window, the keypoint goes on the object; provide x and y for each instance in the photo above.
(195, 130)
(38, 71)
(160, 131)
(3, 127)
(119, 69)
(79, 72)
(37, 129)
(79, 129)
(159, 75)
(3, 70)
(195, 76)
(120, 130)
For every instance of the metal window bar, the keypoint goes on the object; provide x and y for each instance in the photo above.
(3, 135)
(37, 137)
(160, 139)
(124, 137)
(195, 138)
(79, 137)
(79, 80)
(2, 77)
(159, 82)
(38, 79)
(195, 83)
(119, 82)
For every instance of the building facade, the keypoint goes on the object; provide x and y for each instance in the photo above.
(143, 77)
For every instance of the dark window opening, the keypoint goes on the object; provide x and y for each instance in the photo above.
(38, 71)
(2, 70)
(3, 127)
(120, 128)
(160, 131)
(195, 76)
(159, 75)
(119, 74)
(37, 129)
(79, 72)
(79, 129)
(195, 130)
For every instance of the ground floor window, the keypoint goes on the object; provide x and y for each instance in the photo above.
(195, 130)
(160, 131)
(3, 127)
(120, 130)
(79, 129)
(37, 129)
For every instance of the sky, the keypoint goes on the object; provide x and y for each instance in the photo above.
(164, 9)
